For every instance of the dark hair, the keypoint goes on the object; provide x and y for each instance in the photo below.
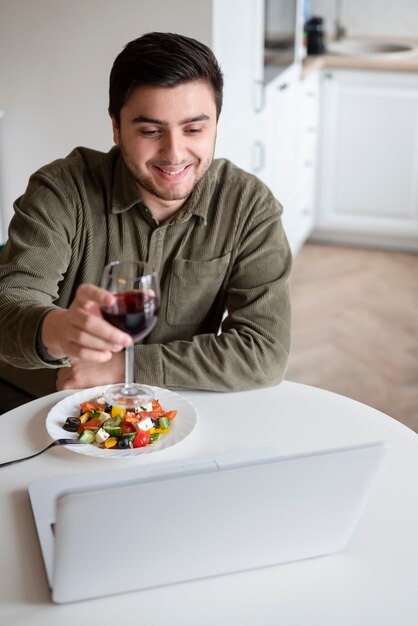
(165, 60)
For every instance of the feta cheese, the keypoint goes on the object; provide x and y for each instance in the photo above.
(145, 424)
(101, 400)
(147, 407)
(101, 435)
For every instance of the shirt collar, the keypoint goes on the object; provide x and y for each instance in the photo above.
(125, 193)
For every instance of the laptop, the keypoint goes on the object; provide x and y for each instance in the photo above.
(145, 526)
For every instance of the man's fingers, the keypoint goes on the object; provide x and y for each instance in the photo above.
(94, 332)
(91, 293)
(89, 328)
(90, 355)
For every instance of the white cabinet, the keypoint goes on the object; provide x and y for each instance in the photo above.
(368, 179)
(238, 43)
(308, 114)
(244, 144)
(291, 132)
(282, 150)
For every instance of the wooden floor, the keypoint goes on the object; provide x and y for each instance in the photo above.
(355, 326)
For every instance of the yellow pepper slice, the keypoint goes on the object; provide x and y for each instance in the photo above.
(160, 431)
(110, 442)
(85, 417)
(117, 410)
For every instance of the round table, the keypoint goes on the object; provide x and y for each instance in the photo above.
(372, 581)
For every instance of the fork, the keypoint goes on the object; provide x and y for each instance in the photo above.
(57, 442)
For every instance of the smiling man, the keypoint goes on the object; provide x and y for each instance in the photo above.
(167, 145)
(211, 230)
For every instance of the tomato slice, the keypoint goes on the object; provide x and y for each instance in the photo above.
(93, 423)
(170, 414)
(90, 425)
(91, 405)
(131, 418)
(127, 427)
(152, 414)
(141, 439)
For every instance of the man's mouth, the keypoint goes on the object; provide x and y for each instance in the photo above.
(172, 172)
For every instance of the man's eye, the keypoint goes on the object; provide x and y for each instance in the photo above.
(193, 131)
(152, 132)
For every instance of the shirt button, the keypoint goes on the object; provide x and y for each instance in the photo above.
(159, 234)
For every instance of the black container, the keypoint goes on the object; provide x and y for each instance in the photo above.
(315, 35)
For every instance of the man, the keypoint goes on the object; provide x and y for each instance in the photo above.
(212, 231)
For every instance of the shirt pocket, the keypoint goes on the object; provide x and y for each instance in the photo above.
(193, 287)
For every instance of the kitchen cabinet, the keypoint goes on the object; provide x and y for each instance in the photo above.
(244, 144)
(291, 143)
(367, 182)
(282, 147)
(238, 43)
(239, 48)
(308, 119)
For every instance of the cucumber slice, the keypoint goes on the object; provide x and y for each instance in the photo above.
(164, 422)
(112, 427)
(113, 431)
(87, 436)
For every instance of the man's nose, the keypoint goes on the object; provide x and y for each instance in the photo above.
(172, 146)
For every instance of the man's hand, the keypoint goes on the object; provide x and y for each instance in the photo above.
(82, 375)
(80, 332)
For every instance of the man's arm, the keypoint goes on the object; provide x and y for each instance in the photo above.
(40, 326)
(252, 349)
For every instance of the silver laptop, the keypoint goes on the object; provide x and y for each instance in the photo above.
(199, 517)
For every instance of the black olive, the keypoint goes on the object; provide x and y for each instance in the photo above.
(72, 424)
(124, 441)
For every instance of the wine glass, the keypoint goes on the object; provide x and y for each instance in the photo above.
(135, 285)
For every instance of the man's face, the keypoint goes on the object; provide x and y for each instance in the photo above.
(167, 138)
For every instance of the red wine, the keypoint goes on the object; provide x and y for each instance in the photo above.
(134, 312)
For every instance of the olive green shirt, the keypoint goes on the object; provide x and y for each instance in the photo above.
(225, 250)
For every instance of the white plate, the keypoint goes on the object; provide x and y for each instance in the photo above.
(181, 426)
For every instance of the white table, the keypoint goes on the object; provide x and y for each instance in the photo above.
(374, 581)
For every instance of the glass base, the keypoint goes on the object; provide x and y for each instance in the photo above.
(133, 397)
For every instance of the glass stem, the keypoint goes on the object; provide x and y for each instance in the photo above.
(129, 368)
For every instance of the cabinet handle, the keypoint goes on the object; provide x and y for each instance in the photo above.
(259, 96)
(258, 157)
(328, 75)
(283, 86)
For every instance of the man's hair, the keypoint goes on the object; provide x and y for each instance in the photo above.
(164, 60)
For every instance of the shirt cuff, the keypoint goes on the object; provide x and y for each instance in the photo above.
(42, 352)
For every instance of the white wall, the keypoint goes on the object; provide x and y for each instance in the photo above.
(388, 18)
(55, 60)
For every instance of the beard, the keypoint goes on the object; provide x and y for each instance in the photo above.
(174, 191)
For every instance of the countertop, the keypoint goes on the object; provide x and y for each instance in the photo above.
(367, 62)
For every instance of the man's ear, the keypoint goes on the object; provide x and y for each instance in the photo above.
(115, 128)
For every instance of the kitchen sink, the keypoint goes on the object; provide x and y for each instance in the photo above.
(372, 47)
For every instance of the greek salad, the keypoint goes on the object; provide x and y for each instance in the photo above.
(108, 426)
